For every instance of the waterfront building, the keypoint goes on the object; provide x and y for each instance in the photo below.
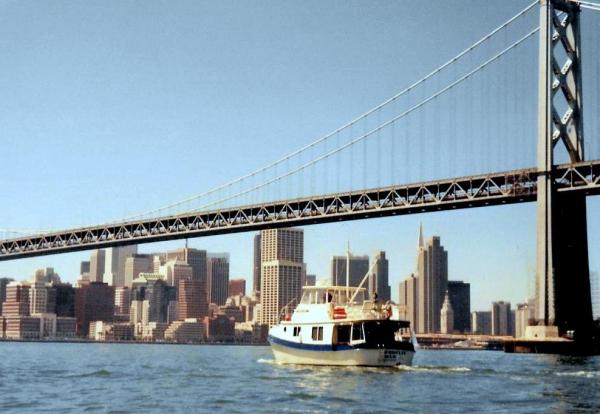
(17, 299)
(237, 287)
(122, 300)
(114, 265)
(379, 279)
(502, 322)
(42, 297)
(22, 327)
(191, 300)
(460, 299)
(481, 322)
(97, 263)
(257, 268)
(64, 305)
(422, 293)
(110, 331)
(359, 266)
(282, 258)
(447, 316)
(134, 265)
(524, 317)
(217, 286)
(93, 302)
(187, 331)
(220, 328)
(4, 281)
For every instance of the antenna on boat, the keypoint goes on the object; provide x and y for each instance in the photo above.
(348, 269)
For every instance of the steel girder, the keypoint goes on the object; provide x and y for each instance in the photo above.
(465, 192)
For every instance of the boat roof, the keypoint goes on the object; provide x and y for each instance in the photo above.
(332, 287)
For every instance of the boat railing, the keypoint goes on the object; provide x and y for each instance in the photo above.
(286, 312)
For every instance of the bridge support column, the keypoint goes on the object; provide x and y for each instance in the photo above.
(563, 296)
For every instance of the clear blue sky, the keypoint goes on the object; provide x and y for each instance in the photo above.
(115, 107)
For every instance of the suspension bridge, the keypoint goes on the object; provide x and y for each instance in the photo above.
(482, 129)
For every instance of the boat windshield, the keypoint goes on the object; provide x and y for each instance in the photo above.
(337, 295)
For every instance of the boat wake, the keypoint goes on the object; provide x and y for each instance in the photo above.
(432, 369)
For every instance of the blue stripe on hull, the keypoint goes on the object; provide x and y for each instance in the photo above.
(309, 347)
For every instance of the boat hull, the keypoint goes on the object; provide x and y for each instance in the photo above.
(292, 353)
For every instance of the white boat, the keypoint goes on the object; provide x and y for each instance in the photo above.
(335, 325)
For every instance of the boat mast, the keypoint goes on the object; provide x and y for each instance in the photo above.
(348, 270)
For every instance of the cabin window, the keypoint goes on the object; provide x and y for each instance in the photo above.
(343, 334)
(357, 332)
(296, 330)
(317, 333)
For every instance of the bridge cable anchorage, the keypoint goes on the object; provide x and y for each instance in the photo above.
(254, 173)
(378, 128)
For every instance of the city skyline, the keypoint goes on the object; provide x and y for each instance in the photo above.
(79, 111)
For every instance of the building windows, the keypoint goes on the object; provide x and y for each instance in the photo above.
(317, 333)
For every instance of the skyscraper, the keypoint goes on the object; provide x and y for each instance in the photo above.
(122, 300)
(237, 287)
(97, 262)
(191, 300)
(257, 266)
(194, 257)
(481, 322)
(428, 285)
(134, 265)
(152, 289)
(84, 267)
(93, 302)
(359, 266)
(379, 280)
(114, 267)
(595, 289)
(502, 319)
(282, 257)
(217, 286)
(16, 302)
(176, 270)
(4, 281)
(460, 299)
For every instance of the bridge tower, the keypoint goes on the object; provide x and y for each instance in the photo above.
(563, 296)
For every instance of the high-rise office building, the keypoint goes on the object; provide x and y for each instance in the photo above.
(194, 257)
(428, 285)
(447, 316)
(122, 300)
(136, 264)
(217, 287)
(524, 316)
(359, 266)
(4, 281)
(84, 267)
(502, 319)
(114, 266)
(282, 258)
(409, 299)
(93, 302)
(256, 270)
(191, 300)
(97, 263)
(481, 322)
(460, 299)
(46, 274)
(152, 288)
(237, 287)
(379, 280)
(176, 270)
(42, 298)
(65, 300)
(16, 302)
(310, 280)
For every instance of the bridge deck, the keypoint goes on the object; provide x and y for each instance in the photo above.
(508, 187)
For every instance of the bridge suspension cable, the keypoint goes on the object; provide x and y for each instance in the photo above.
(285, 160)
(380, 127)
